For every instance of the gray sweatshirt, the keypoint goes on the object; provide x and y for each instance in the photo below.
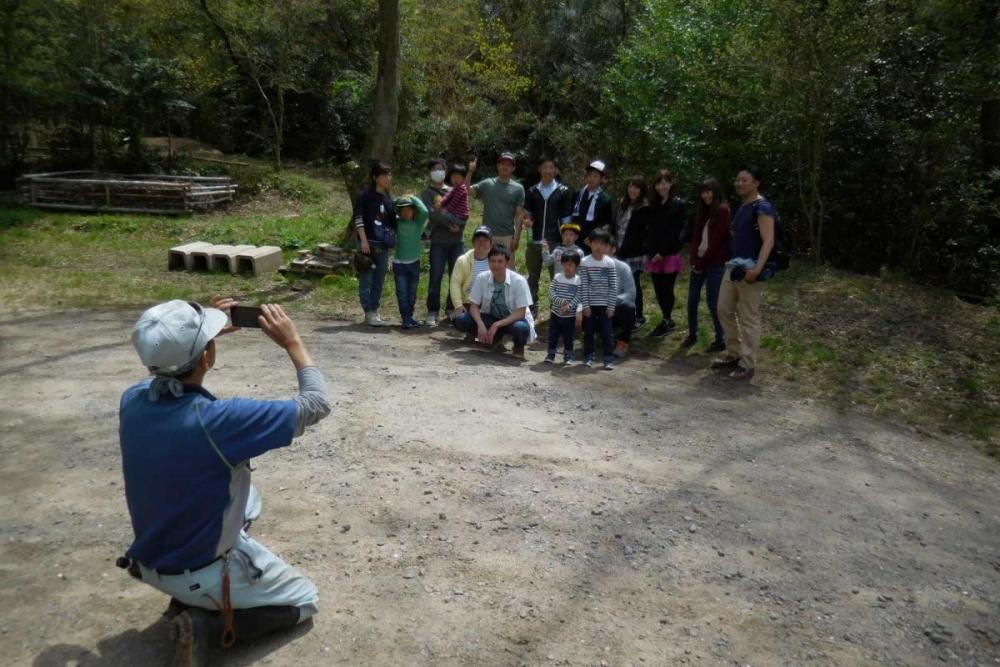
(626, 284)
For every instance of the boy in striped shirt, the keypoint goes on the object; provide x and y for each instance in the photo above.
(567, 310)
(599, 285)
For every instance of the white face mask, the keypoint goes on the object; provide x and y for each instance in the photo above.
(437, 175)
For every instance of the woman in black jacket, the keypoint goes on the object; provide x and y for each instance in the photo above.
(663, 246)
(631, 223)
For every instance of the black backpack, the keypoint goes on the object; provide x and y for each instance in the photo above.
(780, 255)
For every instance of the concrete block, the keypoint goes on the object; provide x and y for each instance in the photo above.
(201, 259)
(180, 258)
(224, 256)
(259, 261)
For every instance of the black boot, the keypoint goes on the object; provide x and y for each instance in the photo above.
(251, 624)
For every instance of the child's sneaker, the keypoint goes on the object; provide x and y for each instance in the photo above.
(589, 362)
(550, 358)
(608, 366)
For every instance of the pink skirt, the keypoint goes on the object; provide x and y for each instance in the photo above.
(669, 264)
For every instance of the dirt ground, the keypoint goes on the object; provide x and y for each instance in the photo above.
(459, 508)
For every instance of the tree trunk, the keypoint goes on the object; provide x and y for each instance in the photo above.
(383, 135)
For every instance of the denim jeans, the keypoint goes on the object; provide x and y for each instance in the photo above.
(711, 278)
(407, 277)
(562, 328)
(624, 319)
(519, 331)
(370, 283)
(442, 254)
(598, 320)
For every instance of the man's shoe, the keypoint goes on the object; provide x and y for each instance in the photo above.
(569, 361)
(518, 351)
(741, 374)
(621, 349)
(370, 319)
(195, 632)
(717, 346)
(432, 319)
(377, 321)
(725, 363)
(589, 362)
(689, 341)
(608, 366)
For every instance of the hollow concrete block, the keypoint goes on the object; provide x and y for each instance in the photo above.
(180, 257)
(224, 257)
(201, 258)
(259, 261)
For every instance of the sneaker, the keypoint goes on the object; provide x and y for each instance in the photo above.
(569, 361)
(518, 351)
(589, 362)
(609, 366)
(375, 320)
(550, 358)
(725, 362)
(621, 349)
(717, 346)
(432, 319)
(411, 324)
(639, 321)
(742, 374)
(689, 341)
(661, 330)
(194, 631)
(470, 337)
(370, 319)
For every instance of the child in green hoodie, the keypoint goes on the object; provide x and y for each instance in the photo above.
(411, 216)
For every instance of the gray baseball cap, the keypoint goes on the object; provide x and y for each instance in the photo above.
(169, 336)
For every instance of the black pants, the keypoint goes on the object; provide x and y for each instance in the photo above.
(663, 285)
(562, 329)
(636, 275)
(598, 320)
(624, 321)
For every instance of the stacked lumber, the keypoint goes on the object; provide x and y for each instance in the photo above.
(324, 260)
(116, 193)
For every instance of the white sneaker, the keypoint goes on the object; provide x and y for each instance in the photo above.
(432, 319)
(370, 319)
(376, 321)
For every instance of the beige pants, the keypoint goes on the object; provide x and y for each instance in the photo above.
(739, 312)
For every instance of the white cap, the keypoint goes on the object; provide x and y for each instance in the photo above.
(171, 335)
(597, 165)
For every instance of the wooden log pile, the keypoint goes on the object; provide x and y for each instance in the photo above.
(115, 193)
(324, 260)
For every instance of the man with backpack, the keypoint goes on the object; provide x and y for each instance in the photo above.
(753, 239)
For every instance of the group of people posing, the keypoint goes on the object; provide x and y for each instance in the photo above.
(594, 251)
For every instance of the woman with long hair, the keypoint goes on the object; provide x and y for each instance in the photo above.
(375, 227)
(663, 246)
(709, 250)
(631, 223)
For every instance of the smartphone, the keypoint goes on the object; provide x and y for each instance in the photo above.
(245, 316)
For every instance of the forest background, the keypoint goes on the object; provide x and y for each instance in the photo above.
(876, 122)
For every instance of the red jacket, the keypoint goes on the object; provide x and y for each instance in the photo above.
(718, 240)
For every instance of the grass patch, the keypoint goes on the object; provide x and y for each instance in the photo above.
(886, 347)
